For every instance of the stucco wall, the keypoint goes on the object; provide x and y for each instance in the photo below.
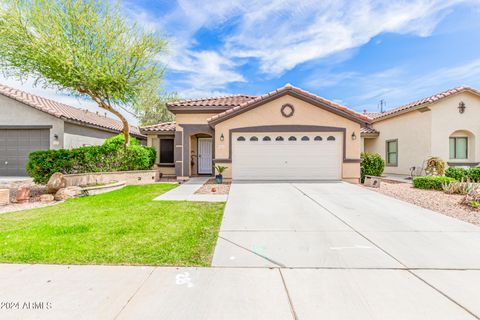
(14, 113)
(79, 136)
(305, 114)
(413, 133)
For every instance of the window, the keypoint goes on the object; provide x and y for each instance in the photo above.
(292, 138)
(458, 148)
(267, 138)
(318, 138)
(279, 139)
(166, 152)
(392, 152)
(253, 138)
(305, 138)
(241, 139)
(331, 138)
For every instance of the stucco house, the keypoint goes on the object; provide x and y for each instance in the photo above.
(29, 122)
(287, 134)
(444, 125)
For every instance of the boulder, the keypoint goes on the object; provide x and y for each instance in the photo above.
(4, 197)
(68, 192)
(23, 194)
(56, 182)
(44, 198)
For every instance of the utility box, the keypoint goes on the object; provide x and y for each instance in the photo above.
(4, 197)
(371, 181)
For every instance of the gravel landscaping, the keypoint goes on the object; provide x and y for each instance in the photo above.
(211, 187)
(448, 204)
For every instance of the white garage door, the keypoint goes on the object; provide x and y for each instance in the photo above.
(287, 156)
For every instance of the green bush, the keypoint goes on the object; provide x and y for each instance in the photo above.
(456, 173)
(473, 174)
(431, 182)
(111, 156)
(372, 165)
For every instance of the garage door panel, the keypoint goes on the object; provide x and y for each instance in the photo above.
(287, 160)
(16, 145)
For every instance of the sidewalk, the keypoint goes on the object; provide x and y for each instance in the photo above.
(186, 192)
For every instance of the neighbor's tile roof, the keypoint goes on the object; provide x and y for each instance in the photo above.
(285, 88)
(418, 103)
(66, 112)
(159, 127)
(212, 103)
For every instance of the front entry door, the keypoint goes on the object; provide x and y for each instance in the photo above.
(205, 156)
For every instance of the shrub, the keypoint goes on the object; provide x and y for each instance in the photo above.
(431, 182)
(456, 173)
(472, 198)
(372, 165)
(473, 174)
(111, 156)
(435, 166)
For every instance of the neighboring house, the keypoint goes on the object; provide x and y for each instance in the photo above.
(445, 125)
(287, 134)
(29, 122)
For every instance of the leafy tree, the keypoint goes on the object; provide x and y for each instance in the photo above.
(152, 107)
(86, 48)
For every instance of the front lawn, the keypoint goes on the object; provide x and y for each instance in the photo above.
(120, 227)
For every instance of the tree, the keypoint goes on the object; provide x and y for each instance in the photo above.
(152, 107)
(86, 48)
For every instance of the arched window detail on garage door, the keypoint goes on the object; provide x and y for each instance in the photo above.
(241, 139)
(279, 138)
(318, 138)
(267, 138)
(305, 138)
(292, 138)
(331, 138)
(253, 138)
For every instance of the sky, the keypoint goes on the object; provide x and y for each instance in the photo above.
(355, 53)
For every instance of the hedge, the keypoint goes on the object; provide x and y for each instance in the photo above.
(111, 156)
(431, 182)
(472, 174)
(372, 165)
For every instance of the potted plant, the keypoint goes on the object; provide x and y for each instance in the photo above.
(219, 177)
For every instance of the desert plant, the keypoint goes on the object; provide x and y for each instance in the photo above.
(459, 187)
(472, 198)
(431, 182)
(435, 166)
(456, 173)
(371, 164)
(220, 169)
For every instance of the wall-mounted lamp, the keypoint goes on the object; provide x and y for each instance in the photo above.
(354, 136)
(222, 137)
(461, 107)
(55, 136)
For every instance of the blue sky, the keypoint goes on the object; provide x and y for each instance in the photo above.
(353, 52)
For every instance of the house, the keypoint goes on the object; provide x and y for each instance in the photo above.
(29, 122)
(444, 125)
(287, 134)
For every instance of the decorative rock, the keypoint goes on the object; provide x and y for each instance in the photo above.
(46, 198)
(371, 181)
(56, 182)
(67, 193)
(23, 194)
(4, 197)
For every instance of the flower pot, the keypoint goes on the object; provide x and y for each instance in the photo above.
(219, 178)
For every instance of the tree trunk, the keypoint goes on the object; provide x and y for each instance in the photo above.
(126, 126)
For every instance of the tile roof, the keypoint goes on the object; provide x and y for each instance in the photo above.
(66, 112)
(159, 127)
(419, 103)
(368, 130)
(283, 89)
(372, 115)
(212, 103)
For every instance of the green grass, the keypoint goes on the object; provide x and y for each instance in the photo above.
(120, 227)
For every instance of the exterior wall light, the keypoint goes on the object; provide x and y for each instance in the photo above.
(222, 137)
(461, 107)
(354, 136)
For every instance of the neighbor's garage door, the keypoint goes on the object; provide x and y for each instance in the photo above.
(16, 144)
(287, 156)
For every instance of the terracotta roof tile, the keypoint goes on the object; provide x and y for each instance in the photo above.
(423, 101)
(159, 127)
(368, 130)
(64, 111)
(212, 103)
(288, 87)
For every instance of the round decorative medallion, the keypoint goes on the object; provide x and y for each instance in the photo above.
(287, 110)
